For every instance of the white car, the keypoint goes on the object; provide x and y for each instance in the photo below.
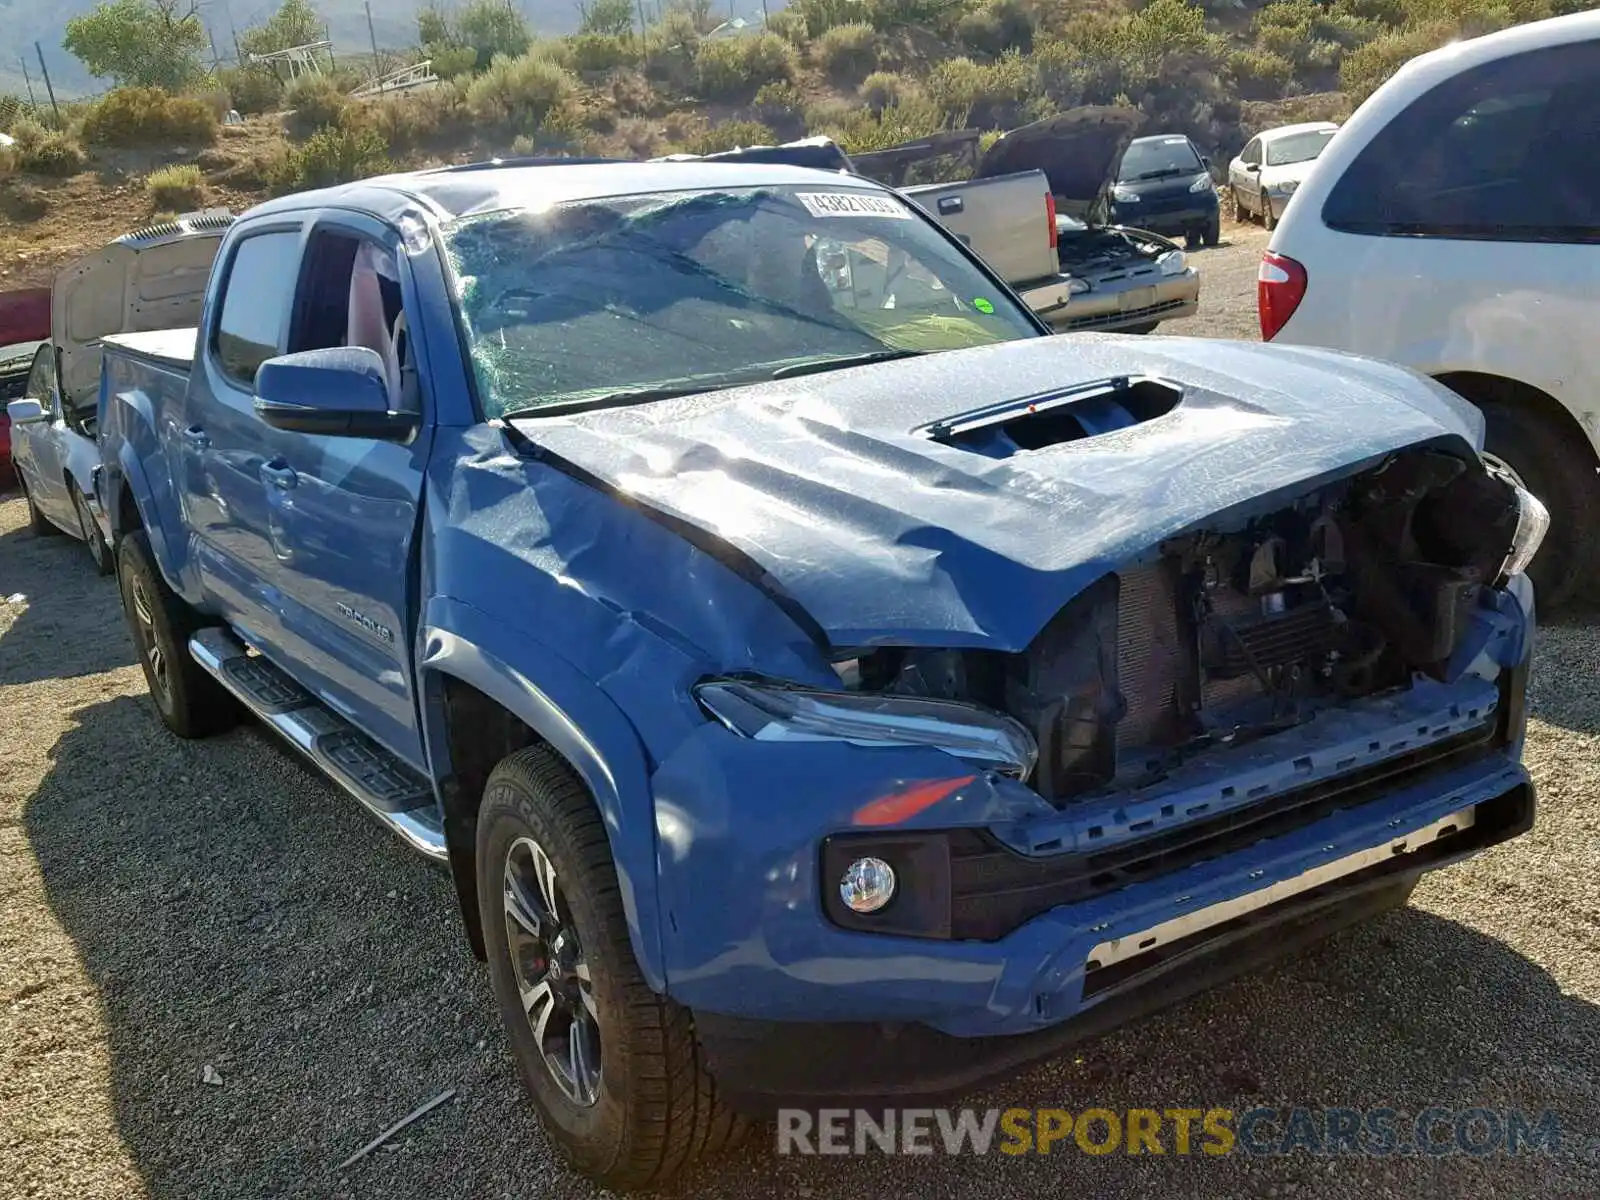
(1453, 226)
(1272, 165)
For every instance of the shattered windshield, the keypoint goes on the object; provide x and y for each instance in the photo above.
(627, 299)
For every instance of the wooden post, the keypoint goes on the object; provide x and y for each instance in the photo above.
(372, 35)
(50, 91)
(28, 79)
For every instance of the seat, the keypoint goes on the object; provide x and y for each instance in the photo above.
(368, 324)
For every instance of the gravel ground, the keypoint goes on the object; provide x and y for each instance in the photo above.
(169, 906)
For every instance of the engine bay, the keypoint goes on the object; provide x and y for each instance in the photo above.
(1092, 248)
(1241, 629)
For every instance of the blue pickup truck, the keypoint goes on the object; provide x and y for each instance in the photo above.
(822, 686)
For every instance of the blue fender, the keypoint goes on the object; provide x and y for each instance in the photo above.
(580, 723)
(131, 470)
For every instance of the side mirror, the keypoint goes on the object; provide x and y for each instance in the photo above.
(1205, 162)
(342, 392)
(1253, 168)
(25, 412)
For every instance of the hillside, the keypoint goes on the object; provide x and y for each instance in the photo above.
(395, 21)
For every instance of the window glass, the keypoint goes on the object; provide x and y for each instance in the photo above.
(1158, 157)
(1298, 147)
(1509, 151)
(261, 281)
(1251, 153)
(42, 378)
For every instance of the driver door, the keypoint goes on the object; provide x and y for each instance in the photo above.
(36, 447)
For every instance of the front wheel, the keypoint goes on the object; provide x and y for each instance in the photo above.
(1213, 231)
(613, 1069)
(99, 552)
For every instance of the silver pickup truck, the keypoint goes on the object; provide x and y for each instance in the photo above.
(1033, 206)
(1073, 268)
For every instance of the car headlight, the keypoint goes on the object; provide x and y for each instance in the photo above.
(1077, 287)
(1124, 195)
(1533, 522)
(1203, 184)
(1286, 188)
(776, 712)
(1172, 262)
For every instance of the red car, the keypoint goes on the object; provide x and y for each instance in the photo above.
(24, 323)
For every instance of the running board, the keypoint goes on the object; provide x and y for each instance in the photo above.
(390, 790)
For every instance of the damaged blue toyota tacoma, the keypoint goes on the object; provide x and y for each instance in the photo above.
(822, 685)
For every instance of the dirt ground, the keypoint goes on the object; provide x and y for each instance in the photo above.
(168, 907)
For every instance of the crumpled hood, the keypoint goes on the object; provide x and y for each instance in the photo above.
(1078, 151)
(885, 536)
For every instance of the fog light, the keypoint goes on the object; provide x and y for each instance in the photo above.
(867, 885)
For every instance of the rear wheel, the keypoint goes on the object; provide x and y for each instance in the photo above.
(613, 1068)
(191, 703)
(99, 552)
(1268, 221)
(1555, 469)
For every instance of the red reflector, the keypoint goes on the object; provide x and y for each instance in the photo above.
(1050, 215)
(903, 805)
(1280, 286)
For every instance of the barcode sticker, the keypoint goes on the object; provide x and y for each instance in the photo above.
(852, 204)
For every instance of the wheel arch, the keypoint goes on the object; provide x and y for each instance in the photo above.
(477, 709)
(1482, 387)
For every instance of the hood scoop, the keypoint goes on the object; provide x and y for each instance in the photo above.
(1055, 417)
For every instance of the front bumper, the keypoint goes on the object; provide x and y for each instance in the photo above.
(1111, 306)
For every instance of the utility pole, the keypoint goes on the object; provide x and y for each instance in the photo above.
(372, 35)
(216, 59)
(50, 91)
(28, 79)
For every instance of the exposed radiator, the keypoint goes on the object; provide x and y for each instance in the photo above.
(1150, 657)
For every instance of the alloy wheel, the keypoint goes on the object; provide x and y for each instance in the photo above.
(551, 972)
(91, 530)
(149, 642)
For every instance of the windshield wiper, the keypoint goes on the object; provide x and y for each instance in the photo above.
(844, 360)
(1164, 173)
(613, 400)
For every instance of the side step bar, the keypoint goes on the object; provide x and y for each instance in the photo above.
(389, 789)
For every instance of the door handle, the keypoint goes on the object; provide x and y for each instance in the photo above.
(196, 438)
(279, 474)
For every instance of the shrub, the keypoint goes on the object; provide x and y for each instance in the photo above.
(982, 94)
(995, 28)
(862, 131)
(848, 52)
(41, 151)
(24, 201)
(727, 136)
(517, 95)
(778, 102)
(1364, 70)
(883, 88)
(451, 62)
(602, 51)
(631, 94)
(736, 67)
(815, 17)
(632, 138)
(1259, 74)
(331, 156)
(316, 103)
(149, 117)
(177, 187)
(252, 90)
(790, 26)
(408, 123)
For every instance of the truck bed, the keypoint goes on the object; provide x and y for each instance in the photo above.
(169, 348)
(1007, 220)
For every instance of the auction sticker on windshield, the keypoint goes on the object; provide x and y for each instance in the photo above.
(851, 204)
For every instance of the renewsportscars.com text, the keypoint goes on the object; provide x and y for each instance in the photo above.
(1210, 1132)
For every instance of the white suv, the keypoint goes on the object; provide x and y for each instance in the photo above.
(1453, 225)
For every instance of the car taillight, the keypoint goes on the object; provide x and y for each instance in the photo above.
(1050, 216)
(1280, 286)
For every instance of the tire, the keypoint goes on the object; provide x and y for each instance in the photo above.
(191, 703)
(1268, 221)
(1213, 230)
(1552, 468)
(1147, 327)
(650, 1108)
(99, 552)
(1192, 239)
(1238, 205)
(38, 524)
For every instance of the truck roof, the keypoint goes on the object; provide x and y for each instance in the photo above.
(485, 187)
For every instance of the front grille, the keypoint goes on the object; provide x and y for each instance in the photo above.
(995, 889)
(1149, 312)
(1150, 657)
